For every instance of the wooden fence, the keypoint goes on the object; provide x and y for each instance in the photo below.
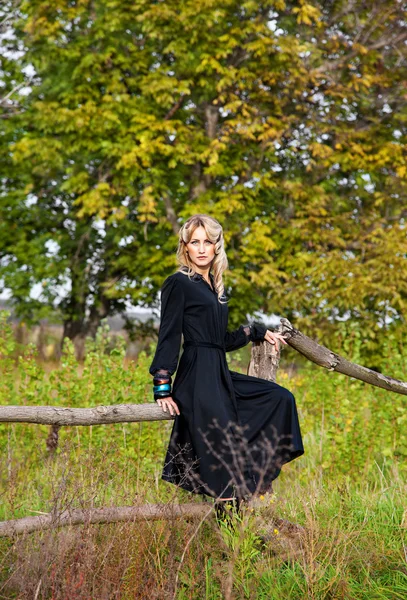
(264, 363)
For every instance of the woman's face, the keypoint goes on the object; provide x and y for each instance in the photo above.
(201, 250)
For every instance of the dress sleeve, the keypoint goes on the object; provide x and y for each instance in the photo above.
(254, 332)
(170, 331)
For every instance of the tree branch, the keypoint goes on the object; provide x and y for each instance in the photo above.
(324, 357)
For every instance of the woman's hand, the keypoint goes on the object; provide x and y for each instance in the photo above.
(273, 338)
(168, 404)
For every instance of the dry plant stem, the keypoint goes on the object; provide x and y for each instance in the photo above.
(186, 549)
(52, 439)
(37, 591)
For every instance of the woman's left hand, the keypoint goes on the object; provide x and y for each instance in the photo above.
(273, 338)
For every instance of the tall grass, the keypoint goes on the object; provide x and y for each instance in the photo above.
(348, 492)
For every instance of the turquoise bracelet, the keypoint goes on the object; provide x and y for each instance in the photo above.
(161, 388)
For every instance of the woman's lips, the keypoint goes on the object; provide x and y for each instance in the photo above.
(202, 257)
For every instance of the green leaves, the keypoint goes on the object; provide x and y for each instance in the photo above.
(264, 115)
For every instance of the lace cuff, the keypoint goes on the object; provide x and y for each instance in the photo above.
(256, 332)
(162, 373)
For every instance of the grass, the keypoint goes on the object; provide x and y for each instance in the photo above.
(353, 546)
(348, 492)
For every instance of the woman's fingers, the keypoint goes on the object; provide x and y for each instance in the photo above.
(176, 409)
(273, 337)
(168, 404)
(172, 407)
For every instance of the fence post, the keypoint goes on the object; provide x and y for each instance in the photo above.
(265, 359)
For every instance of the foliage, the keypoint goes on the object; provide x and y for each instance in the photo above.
(285, 120)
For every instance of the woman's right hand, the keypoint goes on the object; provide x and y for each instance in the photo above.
(168, 404)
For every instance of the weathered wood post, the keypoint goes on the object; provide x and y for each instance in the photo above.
(265, 359)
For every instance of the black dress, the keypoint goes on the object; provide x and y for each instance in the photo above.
(235, 431)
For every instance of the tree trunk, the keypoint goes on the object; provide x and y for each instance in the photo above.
(78, 329)
(74, 329)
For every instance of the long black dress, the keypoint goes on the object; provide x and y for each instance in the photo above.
(235, 431)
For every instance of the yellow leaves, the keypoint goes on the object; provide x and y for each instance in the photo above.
(295, 189)
(213, 158)
(269, 133)
(95, 201)
(268, 181)
(233, 106)
(41, 26)
(260, 47)
(210, 155)
(28, 188)
(42, 153)
(358, 83)
(165, 89)
(209, 64)
(308, 14)
(401, 171)
(130, 159)
(320, 150)
(357, 149)
(258, 240)
(147, 206)
(360, 49)
(229, 203)
(229, 40)
(77, 183)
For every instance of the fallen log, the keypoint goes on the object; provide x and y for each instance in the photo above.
(117, 514)
(113, 514)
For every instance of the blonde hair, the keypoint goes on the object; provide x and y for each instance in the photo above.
(214, 234)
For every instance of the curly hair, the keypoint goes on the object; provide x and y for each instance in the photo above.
(214, 232)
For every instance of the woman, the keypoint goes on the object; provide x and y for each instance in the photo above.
(231, 432)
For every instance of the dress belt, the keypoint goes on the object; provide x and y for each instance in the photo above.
(205, 344)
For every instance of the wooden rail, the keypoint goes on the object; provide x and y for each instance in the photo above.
(264, 363)
(98, 415)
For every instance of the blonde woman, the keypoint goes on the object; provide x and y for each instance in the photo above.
(232, 432)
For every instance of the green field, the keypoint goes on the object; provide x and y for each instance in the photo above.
(349, 491)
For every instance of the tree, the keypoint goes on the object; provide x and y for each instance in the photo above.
(284, 120)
